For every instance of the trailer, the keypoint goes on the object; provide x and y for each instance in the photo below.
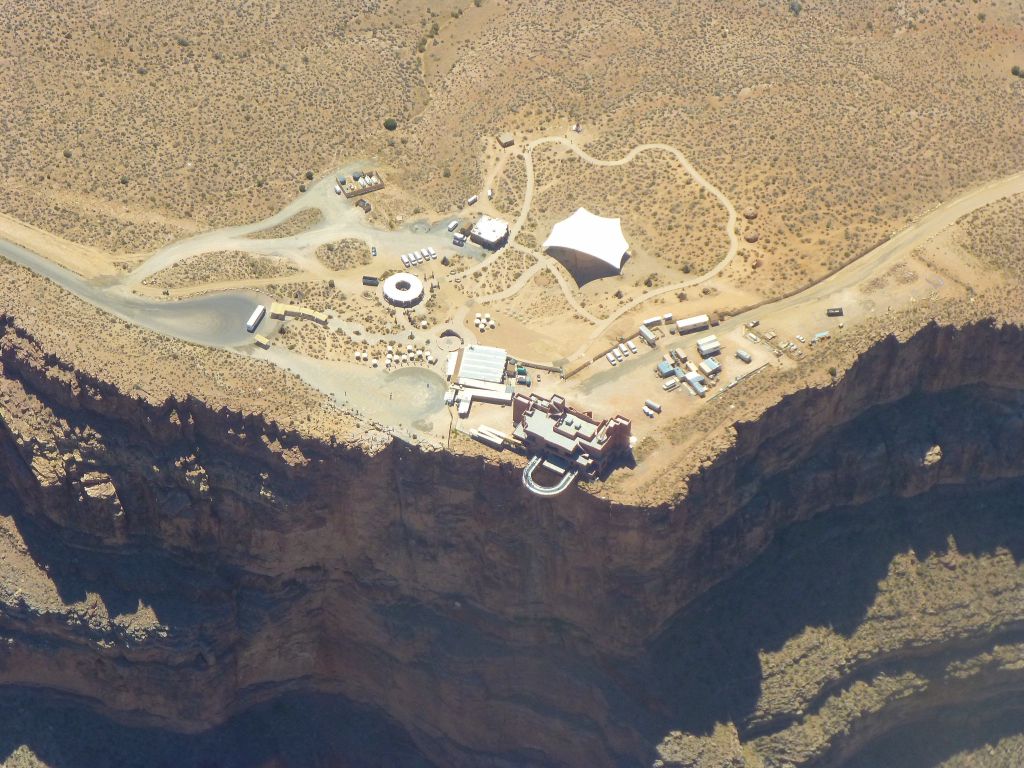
(653, 406)
(708, 346)
(671, 384)
(834, 312)
(652, 321)
(710, 367)
(695, 323)
(696, 383)
(744, 356)
(647, 335)
(472, 199)
(255, 318)
(453, 225)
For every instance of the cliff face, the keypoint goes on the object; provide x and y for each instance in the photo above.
(174, 567)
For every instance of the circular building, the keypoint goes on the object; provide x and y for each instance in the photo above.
(589, 246)
(403, 290)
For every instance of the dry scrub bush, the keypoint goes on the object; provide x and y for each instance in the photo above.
(344, 254)
(293, 225)
(995, 234)
(220, 266)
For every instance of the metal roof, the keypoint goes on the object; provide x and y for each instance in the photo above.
(484, 363)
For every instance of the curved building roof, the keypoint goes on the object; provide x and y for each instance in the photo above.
(596, 236)
(403, 289)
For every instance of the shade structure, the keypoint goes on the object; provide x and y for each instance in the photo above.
(589, 246)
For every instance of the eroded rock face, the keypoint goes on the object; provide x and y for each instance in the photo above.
(176, 567)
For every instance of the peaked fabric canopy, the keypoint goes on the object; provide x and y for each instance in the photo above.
(594, 236)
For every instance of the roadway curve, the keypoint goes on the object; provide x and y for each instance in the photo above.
(214, 320)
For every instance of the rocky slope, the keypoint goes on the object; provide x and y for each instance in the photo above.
(173, 568)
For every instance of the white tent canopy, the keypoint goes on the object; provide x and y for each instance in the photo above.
(594, 236)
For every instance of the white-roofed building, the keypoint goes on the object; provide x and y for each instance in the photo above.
(482, 363)
(589, 246)
(489, 232)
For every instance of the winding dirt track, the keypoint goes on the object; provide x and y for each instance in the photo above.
(546, 261)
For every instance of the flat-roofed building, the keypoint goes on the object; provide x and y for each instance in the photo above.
(566, 438)
(506, 140)
(489, 232)
(483, 363)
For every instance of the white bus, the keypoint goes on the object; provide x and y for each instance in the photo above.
(255, 318)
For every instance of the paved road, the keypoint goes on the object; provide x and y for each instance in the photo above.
(898, 246)
(340, 219)
(217, 320)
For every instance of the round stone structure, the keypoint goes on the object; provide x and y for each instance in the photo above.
(403, 290)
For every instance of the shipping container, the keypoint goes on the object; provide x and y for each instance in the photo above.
(743, 355)
(453, 225)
